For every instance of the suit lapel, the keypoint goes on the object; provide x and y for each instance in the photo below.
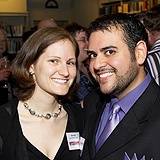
(126, 130)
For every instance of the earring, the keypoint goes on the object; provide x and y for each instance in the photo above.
(30, 73)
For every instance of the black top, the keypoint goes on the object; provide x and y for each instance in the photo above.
(17, 147)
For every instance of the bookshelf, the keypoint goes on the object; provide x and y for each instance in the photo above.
(14, 24)
(125, 6)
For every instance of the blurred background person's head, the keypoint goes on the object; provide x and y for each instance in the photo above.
(79, 33)
(151, 21)
(47, 23)
(3, 42)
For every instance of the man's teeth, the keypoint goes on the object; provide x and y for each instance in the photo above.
(60, 81)
(105, 75)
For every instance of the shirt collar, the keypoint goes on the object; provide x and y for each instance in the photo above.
(128, 100)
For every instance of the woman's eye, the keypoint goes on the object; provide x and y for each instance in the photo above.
(71, 63)
(54, 61)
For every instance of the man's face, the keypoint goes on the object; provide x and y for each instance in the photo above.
(110, 62)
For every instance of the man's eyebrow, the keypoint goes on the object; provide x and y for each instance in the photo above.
(107, 47)
(101, 49)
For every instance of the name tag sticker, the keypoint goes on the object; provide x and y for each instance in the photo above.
(81, 143)
(73, 139)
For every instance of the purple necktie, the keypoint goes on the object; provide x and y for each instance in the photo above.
(110, 126)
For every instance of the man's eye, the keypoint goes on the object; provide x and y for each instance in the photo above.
(92, 55)
(110, 52)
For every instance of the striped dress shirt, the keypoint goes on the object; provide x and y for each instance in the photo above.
(153, 61)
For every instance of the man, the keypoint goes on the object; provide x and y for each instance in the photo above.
(117, 51)
(151, 21)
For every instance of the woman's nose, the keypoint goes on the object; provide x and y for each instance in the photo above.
(63, 70)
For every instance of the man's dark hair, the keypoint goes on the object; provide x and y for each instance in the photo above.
(133, 30)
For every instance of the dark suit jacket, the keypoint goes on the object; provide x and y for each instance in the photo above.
(138, 132)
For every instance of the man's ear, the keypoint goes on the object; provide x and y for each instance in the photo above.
(141, 52)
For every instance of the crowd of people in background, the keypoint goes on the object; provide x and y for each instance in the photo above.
(61, 88)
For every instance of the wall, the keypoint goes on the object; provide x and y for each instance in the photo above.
(9, 6)
(81, 11)
(14, 14)
(37, 10)
(84, 11)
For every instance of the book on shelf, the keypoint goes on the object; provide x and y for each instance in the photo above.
(127, 6)
(13, 46)
(17, 30)
(12, 30)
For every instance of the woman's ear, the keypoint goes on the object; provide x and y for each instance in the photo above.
(31, 70)
(141, 52)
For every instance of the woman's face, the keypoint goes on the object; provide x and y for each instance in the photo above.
(55, 69)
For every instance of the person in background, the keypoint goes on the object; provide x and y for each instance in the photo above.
(47, 23)
(3, 43)
(41, 122)
(5, 87)
(151, 21)
(87, 83)
(123, 118)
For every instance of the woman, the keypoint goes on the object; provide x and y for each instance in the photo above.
(35, 125)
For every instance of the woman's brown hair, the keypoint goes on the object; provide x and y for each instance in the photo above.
(31, 50)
